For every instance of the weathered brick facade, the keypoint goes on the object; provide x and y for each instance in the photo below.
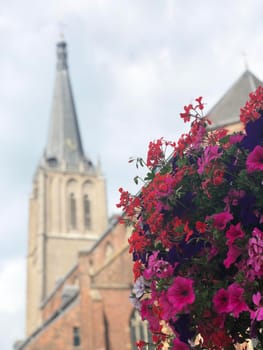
(93, 298)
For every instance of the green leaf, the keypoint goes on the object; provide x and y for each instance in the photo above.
(136, 180)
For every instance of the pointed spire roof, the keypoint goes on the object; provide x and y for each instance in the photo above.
(64, 149)
(227, 110)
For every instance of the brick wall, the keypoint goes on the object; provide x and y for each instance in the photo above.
(100, 310)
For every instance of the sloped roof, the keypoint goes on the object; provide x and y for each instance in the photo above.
(227, 110)
(64, 146)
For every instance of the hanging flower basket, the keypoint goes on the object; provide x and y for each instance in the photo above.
(197, 241)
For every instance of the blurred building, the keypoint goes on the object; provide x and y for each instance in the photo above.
(79, 274)
(226, 111)
(78, 268)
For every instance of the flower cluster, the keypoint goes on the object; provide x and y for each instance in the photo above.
(197, 240)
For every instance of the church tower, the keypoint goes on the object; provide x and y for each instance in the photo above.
(67, 209)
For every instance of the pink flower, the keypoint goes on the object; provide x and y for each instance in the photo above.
(234, 232)
(230, 300)
(236, 300)
(258, 314)
(255, 252)
(233, 253)
(221, 301)
(199, 137)
(179, 345)
(256, 298)
(166, 307)
(181, 293)
(157, 268)
(210, 153)
(236, 138)
(255, 160)
(221, 219)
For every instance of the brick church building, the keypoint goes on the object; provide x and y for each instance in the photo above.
(78, 267)
(79, 271)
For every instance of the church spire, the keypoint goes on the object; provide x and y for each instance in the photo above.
(62, 56)
(64, 149)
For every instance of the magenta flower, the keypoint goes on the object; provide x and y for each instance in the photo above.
(210, 153)
(258, 314)
(181, 293)
(230, 300)
(221, 219)
(166, 307)
(157, 268)
(234, 232)
(255, 160)
(236, 300)
(198, 266)
(255, 252)
(233, 253)
(221, 301)
(149, 313)
(236, 138)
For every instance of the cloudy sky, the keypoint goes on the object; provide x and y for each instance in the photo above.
(133, 66)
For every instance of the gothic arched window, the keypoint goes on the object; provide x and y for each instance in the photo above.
(87, 216)
(72, 211)
(139, 330)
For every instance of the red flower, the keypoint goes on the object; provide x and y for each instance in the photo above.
(141, 344)
(137, 269)
(138, 242)
(187, 113)
(217, 340)
(250, 111)
(155, 153)
(129, 203)
(200, 103)
(218, 177)
(200, 226)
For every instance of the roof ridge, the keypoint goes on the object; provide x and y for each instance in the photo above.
(227, 110)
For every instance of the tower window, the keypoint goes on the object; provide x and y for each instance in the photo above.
(72, 211)
(52, 162)
(87, 217)
(76, 336)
